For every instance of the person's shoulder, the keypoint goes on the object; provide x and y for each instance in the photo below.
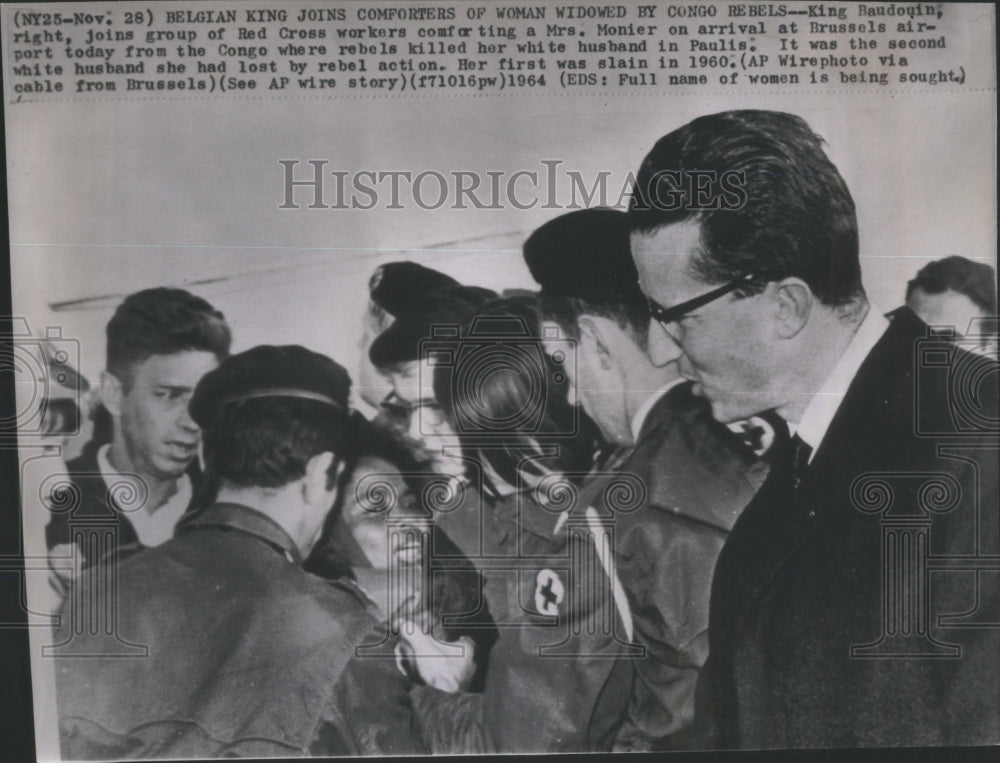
(929, 385)
(679, 411)
(691, 466)
(682, 429)
(341, 598)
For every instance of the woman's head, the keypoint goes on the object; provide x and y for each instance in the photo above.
(506, 398)
(375, 505)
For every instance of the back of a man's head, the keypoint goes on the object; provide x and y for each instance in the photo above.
(767, 198)
(267, 411)
(162, 321)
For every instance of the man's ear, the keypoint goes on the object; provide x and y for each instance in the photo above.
(793, 303)
(595, 339)
(315, 482)
(111, 392)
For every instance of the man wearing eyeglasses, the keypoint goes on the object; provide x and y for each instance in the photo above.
(758, 296)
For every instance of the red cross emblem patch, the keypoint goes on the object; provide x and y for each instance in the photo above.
(549, 592)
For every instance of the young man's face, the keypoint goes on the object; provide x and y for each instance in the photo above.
(724, 347)
(160, 438)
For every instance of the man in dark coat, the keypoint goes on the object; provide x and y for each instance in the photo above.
(223, 645)
(690, 476)
(856, 600)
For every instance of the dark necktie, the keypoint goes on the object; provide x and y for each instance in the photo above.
(801, 451)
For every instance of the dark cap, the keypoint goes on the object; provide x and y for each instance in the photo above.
(583, 254)
(269, 371)
(400, 342)
(396, 285)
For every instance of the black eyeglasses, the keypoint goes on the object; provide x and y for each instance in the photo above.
(667, 315)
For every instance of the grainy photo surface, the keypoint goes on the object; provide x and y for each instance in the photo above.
(462, 377)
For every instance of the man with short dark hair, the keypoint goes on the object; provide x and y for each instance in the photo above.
(697, 475)
(956, 292)
(827, 628)
(246, 653)
(160, 342)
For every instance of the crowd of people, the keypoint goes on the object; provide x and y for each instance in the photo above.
(643, 507)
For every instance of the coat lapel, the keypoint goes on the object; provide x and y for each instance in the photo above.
(778, 521)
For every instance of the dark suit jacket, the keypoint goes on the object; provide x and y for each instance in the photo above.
(698, 477)
(826, 627)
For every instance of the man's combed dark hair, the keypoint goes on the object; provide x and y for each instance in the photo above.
(975, 280)
(266, 442)
(779, 207)
(163, 321)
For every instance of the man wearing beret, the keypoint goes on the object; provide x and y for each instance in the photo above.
(392, 288)
(223, 644)
(697, 474)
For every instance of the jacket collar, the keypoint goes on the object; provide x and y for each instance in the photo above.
(681, 404)
(663, 410)
(642, 414)
(233, 516)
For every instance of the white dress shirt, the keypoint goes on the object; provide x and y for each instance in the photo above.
(153, 526)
